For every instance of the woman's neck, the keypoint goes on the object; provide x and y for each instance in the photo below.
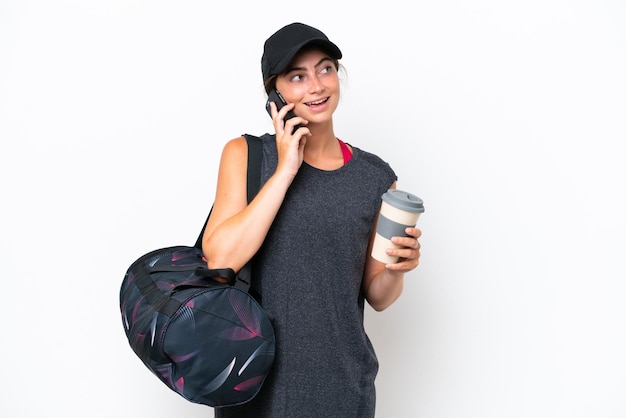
(322, 149)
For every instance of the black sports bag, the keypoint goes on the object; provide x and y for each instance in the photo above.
(212, 343)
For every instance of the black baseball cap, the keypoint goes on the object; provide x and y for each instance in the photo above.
(280, 48)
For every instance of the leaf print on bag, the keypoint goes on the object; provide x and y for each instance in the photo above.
(242, 308)
(220, 378)
(263, 350)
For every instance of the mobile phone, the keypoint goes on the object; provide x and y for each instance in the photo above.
(275, 96)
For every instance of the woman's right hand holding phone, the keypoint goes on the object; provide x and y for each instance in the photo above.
(289, 143)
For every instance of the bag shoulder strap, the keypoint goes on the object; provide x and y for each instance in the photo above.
(255, 156)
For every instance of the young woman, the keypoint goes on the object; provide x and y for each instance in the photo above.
(310, 230)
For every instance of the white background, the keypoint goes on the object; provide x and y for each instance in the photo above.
(506, 117)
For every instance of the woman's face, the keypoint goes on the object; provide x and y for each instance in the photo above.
(312, 83)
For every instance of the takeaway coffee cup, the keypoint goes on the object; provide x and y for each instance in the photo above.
(399, 210)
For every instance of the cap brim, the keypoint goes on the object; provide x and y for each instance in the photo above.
(324, 44)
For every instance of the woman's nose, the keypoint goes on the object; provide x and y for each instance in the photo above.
(315, 85)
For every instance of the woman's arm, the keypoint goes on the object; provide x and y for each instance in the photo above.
(236, 230)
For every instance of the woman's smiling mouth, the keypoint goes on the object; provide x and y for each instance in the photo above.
(317, 102)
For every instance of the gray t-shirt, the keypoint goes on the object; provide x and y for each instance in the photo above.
(308, 273)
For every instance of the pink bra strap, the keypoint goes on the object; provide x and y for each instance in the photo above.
(345, 151)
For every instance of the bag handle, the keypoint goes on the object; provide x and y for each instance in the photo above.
(253, 184)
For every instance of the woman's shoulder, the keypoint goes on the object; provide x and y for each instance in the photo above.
(239, 145)
(371, 159)
(371, 174)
